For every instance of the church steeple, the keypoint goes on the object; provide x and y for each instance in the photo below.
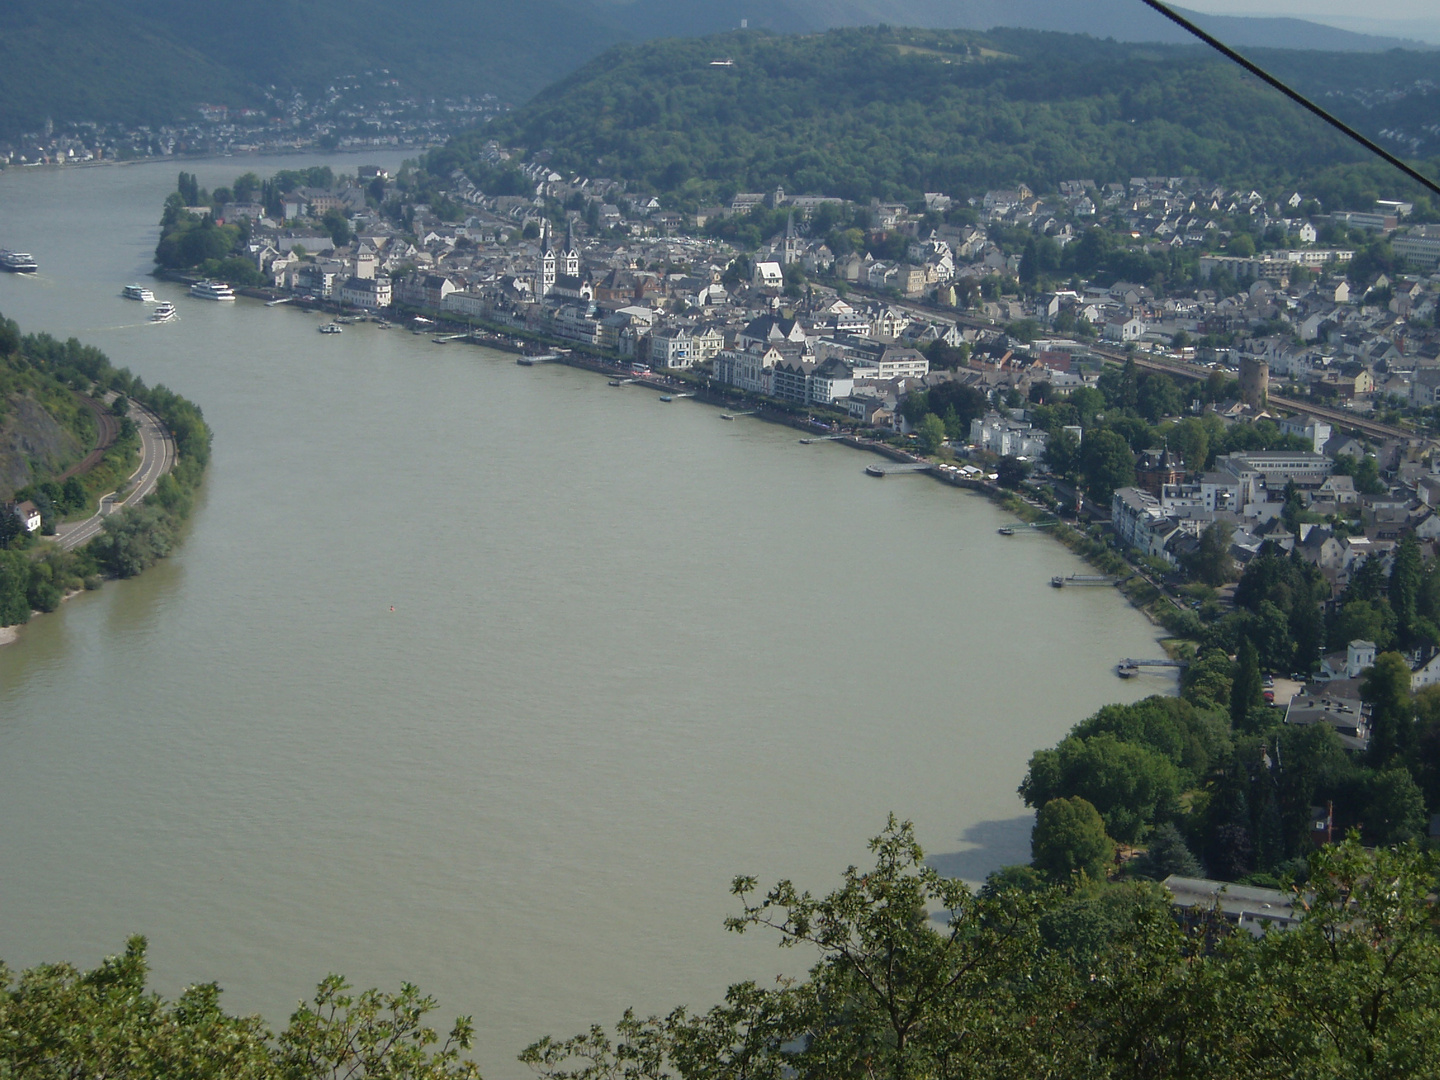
(790, 253)
(547, 260)
(570, 257)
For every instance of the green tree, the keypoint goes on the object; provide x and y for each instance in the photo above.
(14, 588)
(338, 226)
(1131, 786)
(1167, 854)
(1386, 689)
(1394, 810)
(1211, 562)
(1012, 471)
(1107, 464)
(931, 430)
(1404, 592)
(1363, 620)
(1069, 838)
(1246, 691)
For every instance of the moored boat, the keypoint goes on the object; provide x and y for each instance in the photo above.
(1006, 530)
(332, 328)
(138, 292)
(874, 470)
(212, 290)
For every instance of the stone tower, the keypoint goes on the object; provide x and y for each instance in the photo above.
(547, 260)
(791, 251)
(570, 257)
(1254, 382)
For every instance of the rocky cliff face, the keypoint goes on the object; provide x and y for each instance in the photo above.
(32, 445)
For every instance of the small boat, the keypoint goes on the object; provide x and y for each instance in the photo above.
(164, 312)
(806, 442)
(616, 382)
(18, 262)
(332, 328)
(666, 397)
(212, 290)
(138, 292)
(874, 470)
(382, 325)
(726, 416)
(525, 361)
(1006, 530)
(1058, 581)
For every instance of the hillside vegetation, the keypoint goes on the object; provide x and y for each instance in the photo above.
(96, 60)
(891, 113)
(71, 60)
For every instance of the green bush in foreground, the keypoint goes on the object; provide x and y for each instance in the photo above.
(915, 977)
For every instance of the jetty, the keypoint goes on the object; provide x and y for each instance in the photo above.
(891, 467)
(1059, 581)
(820, 438)
(1129, 668)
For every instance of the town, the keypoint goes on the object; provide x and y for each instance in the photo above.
(370, 111)
(1277, 395)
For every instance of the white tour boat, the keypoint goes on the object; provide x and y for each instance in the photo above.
(164, 312)
(212, 290)
(138, 292)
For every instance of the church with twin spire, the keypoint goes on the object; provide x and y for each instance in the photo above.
(559, 271)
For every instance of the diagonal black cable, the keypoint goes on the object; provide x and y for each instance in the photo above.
(1299, 99)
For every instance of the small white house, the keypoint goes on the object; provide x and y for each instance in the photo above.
(29, 515)
(768, 275)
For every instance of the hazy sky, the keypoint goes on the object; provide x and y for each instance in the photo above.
(1316, 9)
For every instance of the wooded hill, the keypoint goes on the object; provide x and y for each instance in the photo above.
(95, 60)
(890, 113)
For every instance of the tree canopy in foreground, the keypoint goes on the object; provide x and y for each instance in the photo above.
(916, 976)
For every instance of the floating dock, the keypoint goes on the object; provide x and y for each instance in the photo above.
(1059, 581)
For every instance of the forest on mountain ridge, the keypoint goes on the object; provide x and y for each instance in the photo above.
(890, 113)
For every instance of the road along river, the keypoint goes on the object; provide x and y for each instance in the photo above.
(492, 677)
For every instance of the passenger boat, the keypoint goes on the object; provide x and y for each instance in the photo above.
(164, 312)
(18, 262)
(212, 290)
(138, 292)
(332, 328)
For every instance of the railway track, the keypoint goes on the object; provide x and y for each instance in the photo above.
(108, 426)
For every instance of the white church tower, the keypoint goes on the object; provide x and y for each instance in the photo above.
(547, 260)
(570, 257)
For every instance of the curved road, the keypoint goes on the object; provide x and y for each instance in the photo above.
(157, 457)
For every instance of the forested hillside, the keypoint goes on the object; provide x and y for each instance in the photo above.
(95, 60)
(892, 113)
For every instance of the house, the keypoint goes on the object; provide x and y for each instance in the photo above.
(29, 515)
(768, 275)
(830, 381)
(371, 293)
(1244, 907)
(1124, 328)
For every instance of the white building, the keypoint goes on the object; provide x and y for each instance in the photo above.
(768, 275)
(1006, 437)
(372, 293)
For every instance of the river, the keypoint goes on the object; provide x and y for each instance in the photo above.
(491, 678)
